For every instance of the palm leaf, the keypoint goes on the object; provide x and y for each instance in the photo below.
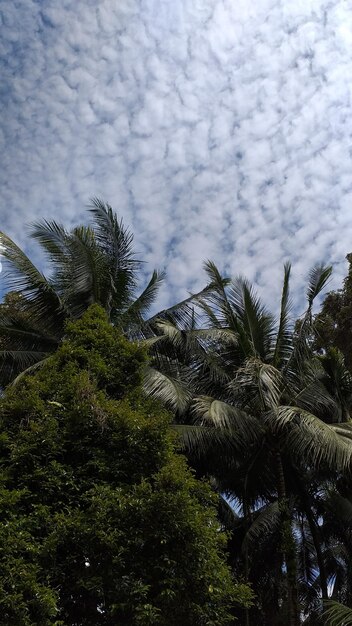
(315, 397)
(114, 238)
(318, 278)
(259, 379)
(255, 325)
(14, 361)
(241, 429)
(167, 386)
(305, 436)
(184, 313)
(215, 303)
(199, 441)
(88, 272)
(340, 507)
(337, 614)
(267, 522)
(54, 238)
(29, 370)
(195, 342)
(344, 430)
(283, 345)
(115, 242)
(43, 304)
(216, 280)
(142, 304)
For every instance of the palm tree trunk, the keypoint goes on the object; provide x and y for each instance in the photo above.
(349, 576)
(288, 548)
(246, 560)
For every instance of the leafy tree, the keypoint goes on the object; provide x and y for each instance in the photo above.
(333, 324)
(102, 521)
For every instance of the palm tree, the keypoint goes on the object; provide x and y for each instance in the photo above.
(90, 264)
(260, 424)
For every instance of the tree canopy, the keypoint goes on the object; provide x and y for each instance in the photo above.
(261, 404)
(102, 521)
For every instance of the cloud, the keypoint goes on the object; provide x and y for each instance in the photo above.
(215, 129)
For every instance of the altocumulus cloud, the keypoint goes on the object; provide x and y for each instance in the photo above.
(217, 129)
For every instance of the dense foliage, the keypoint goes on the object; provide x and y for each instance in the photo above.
(263, 409)
(265, 423)
(333, 327)
(102, 521)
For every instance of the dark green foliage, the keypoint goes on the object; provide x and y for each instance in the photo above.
(333, 325)
(262, 425)
(102, 521)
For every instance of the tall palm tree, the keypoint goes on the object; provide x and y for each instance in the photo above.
(90, 264)
(260, 424)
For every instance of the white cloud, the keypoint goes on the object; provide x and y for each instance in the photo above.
(215, 128)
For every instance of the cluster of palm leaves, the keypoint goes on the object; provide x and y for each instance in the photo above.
(259, 413)
(89, 264)
(268, 421)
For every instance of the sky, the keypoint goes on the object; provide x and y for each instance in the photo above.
(217, 129)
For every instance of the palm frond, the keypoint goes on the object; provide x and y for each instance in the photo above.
(88, 272)
(314, 397)
(305, 436)
(344, 430)
(318, 278)
(43, 303)
(210, 316)
(29, 370)
(26, 334)
(338, 380)
(257, 324)
(337, 614)
(215, 303)
(184, 313)
(240, 428)
(167, 386)
(198, 340)
(12, 362)
(259, 379)
(115, 243)
(266, 522)
(216, 280)
(114, 239)
(199, 441)
(220, 414)
(135, 312)
(283, 345)
(53, 237)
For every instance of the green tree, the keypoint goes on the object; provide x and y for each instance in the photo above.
(102, 521)
(333, 324)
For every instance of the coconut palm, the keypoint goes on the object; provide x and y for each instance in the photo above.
(260, 424)
(90, 264)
